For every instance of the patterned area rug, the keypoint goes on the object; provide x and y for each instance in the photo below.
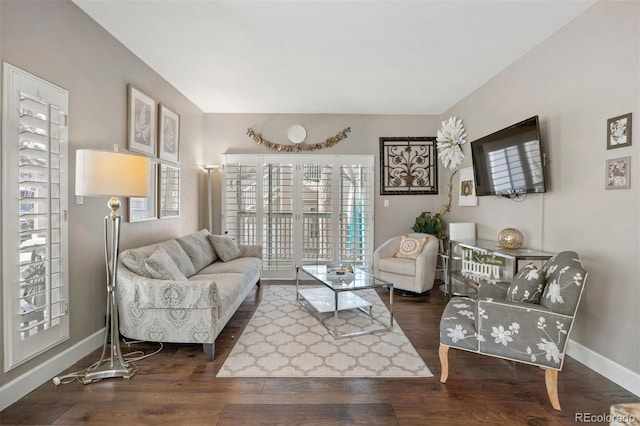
(284, 340)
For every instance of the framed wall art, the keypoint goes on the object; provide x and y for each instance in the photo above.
(169, 191)
(408, 166)
(619, 131)
(146, 208)
(141, 122)
(467, 196)
(618, 173)
(168, 134)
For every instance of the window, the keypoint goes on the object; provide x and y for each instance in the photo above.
(312, 209)
(35, 265)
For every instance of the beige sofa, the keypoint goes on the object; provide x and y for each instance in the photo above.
(181, 290)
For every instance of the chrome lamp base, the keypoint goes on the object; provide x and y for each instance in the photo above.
(111, 365)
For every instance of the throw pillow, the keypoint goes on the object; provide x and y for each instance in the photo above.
(225, 247)
(527, 285)
(162, 267)
(410, 247)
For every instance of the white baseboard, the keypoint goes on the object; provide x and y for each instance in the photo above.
(22, 385)
(613, 371)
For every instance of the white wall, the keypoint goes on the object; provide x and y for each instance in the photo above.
(58, 42)
(578, 78)
(226, 133)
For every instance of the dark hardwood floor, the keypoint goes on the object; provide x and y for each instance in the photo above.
(177, 386)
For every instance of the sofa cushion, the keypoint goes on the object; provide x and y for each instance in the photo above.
(410, 247)
(527, 285)
(134, 259)
(162, 267)
(230, 287)
(179, 256)
(249, 266)
(397, 266)
(198, 249)
(225, 247)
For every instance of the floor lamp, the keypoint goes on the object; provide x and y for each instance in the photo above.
(104, 173)
(209, 169)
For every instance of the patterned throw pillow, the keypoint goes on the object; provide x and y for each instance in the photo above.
(411, 247)
(225, 247)
(162, 267)
(527, 285)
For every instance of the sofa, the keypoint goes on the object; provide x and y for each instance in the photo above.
(184, 290)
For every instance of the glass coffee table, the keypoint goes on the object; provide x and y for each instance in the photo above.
(338, 293)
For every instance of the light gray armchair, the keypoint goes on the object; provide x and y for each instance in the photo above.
(527, 320)
(412, 275)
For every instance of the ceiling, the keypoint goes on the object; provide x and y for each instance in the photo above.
(338, 57)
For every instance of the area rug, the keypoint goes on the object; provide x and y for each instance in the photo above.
(283, 339)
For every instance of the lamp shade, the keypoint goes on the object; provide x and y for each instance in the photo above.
(111, 174)
(462, 231)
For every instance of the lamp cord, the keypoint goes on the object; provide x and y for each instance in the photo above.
(130, 358)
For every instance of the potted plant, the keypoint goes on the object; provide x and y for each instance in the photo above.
(429, 224)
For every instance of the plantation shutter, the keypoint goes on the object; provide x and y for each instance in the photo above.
(35, 263)
(302, 209)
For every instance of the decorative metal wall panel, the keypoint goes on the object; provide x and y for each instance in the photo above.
(408, 166)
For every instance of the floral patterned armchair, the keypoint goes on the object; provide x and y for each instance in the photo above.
(527, 320)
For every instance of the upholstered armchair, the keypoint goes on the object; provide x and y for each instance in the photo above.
(408, 261)
(527, 320)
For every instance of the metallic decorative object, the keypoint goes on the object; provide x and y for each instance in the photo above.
(408, 166)
(100, 173)
(298, 147)
(510, 238)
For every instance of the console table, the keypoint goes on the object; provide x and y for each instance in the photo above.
(464, 273)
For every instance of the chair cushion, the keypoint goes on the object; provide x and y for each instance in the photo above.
(397, 266)
(565, 279)
(527, 285)
(162, 267)
(457, 325)
(225, 247)
(198, 249)
(410, 247)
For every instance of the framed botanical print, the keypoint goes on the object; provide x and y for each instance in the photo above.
(169, 191)
(619, 131)
(141, 135)
(618, 173)
(146, 208)
(408, 166)
(168, 134)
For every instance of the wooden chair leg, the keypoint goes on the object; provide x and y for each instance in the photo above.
(551, 381)
(444, 362)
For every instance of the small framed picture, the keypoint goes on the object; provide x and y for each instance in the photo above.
(169, 191)
(467, 196)
(169, 134)
(141, 122)
(619, 131)
(618, 173)
(146, 208)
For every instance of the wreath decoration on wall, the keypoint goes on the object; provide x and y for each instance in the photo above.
(299, 147)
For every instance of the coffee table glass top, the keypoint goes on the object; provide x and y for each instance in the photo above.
(359, 279)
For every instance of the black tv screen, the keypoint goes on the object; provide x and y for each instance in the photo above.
(509, 161)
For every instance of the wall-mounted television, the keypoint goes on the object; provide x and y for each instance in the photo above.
(510, 161)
